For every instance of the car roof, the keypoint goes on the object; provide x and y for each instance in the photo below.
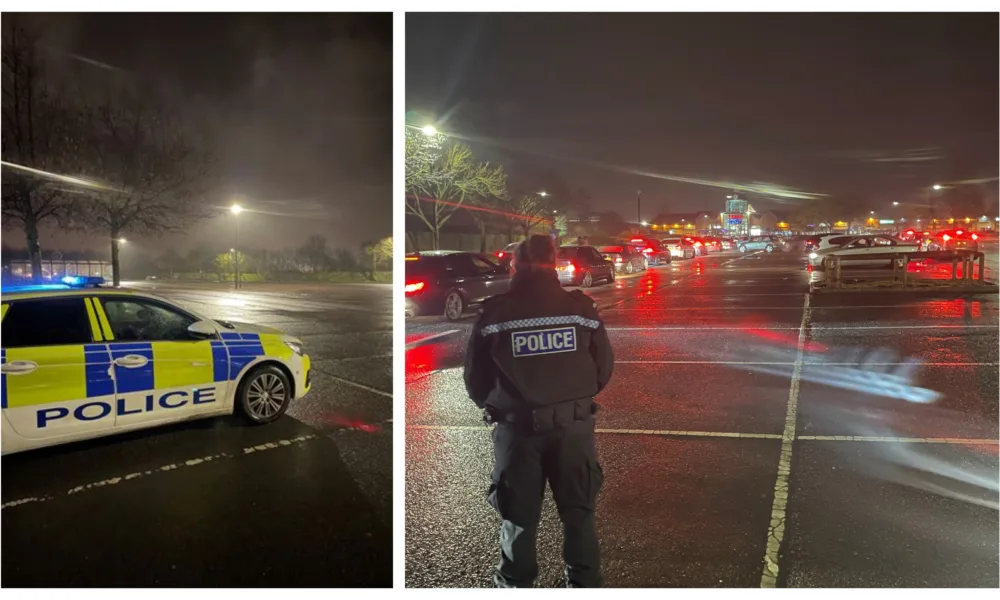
(58, 291)
(439, 252)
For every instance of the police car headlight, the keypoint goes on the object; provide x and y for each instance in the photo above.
(295, 346)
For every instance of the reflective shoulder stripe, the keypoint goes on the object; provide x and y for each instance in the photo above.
(541, 322)
(3, 311)
(103, 319)
(95, 329)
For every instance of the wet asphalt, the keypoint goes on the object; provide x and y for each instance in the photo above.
(893, 477)
(303, 502)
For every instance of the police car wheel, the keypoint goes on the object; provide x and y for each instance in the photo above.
(454, 306)
(588, 279)
(264, 394)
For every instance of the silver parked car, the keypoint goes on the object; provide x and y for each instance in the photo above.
(765, 243)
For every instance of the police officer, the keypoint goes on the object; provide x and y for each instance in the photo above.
(537, 357)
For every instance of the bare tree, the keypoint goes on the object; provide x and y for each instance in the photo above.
(445, 183)
(314, 252)
(39, 132)
(531, 210)
(155, 173)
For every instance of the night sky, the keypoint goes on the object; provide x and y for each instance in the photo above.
(297, 109)
(865, 108)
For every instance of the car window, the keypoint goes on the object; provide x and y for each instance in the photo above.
(141, 320)
(593, 255)
(482, 265)
(459, 264)
(860, 243)
(882, 241)
(837, 241)
(46, 322)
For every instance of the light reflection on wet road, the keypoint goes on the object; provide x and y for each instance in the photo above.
(893, 478)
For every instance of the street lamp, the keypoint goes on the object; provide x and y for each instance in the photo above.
(937, 187)
(236, 209)
(895, 203)
(871, 212)
(543, 193)
(429, 130)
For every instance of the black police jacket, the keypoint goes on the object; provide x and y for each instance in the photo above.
(537, 345)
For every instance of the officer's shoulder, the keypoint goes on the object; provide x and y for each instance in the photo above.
(583, 300)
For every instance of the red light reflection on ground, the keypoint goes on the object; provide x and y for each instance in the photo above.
(348, 423)
(784, 339)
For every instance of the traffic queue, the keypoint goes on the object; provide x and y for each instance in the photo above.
(451, 282)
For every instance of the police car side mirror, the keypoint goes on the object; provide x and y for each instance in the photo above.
(202, 329)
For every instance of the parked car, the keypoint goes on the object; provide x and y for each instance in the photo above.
(955, 239)
(448, 282)
(656, 253)
(506, 255)
(626, 258)
(583, 266)
(869, 245)
(713, 244)
(698, 244)
(765, 243)
(679, 247)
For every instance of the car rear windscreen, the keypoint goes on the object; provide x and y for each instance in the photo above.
(423, 265)
(568, 253)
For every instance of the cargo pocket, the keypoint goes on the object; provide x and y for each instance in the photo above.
(499, 495)
(596, 478)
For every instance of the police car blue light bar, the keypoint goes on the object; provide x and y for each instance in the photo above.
(82, 281)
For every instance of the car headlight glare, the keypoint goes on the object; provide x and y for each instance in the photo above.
(813, 255)
(295, 346)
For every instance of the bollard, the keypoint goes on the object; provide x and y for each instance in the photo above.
(836, 260)
(954, 267)
(982, 268)
(906, 268)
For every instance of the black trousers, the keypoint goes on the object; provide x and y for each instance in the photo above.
(523, 462)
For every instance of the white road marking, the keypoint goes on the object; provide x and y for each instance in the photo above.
(739, 434)
(898, 440)
(728, 308)
(806, 363)
(424, 340)
(776, 528)
(165, 468)
(358, 385)
(817, 327)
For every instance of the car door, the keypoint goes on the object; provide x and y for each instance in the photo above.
(162, 372)
(599, 266)
(55, 371)
(495, 279)
(462, 273)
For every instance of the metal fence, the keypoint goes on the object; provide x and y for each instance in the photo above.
(19, 271)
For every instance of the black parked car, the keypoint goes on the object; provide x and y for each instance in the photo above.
(448, 282)
(583, 266)
(628, 259)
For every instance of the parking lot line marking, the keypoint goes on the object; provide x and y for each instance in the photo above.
(776, 528)
(356, 384)
(805, 363)
(898, 440)
(662, 432)
(817, 327)
(192, 462)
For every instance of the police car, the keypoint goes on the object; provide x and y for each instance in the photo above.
(80, 361)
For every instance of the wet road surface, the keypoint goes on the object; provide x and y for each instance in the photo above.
(752, 435)
(305, 501)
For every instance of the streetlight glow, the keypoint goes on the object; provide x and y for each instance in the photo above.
(543, 193)
(895, 203)
(937, 186)
(122, 240)
(236, 209)
(872, 212)
(644, 223)
(429, 130)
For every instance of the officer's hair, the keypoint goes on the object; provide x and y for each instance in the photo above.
(538, 251)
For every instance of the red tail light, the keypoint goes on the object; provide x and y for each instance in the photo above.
(500, 254)
(975, 237)
(910, 232)
(648, 250)
(618, 259)
(959, 232)
(569, 268)
(697, 244)
(413, 288)
(946, 237)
